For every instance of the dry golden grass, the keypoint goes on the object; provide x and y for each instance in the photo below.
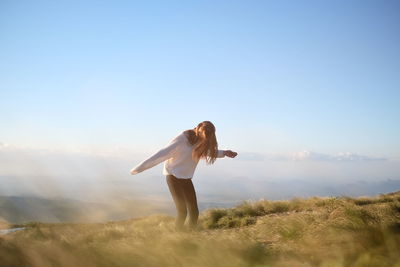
(300, 232)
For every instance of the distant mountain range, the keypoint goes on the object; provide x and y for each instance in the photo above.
(20, 209)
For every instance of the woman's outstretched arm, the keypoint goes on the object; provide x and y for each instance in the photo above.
(158, 157)
(228, 153)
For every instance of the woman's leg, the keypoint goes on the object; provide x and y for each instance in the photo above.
(177, 192)
(191, 202)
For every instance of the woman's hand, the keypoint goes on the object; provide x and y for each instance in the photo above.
(133, 172)
(230, 153)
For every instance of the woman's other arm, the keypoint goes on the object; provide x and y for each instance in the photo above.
(228, 153)
(158, 157)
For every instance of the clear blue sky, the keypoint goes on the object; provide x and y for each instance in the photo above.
(272, 75)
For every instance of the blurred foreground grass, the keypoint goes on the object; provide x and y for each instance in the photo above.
(300, 232)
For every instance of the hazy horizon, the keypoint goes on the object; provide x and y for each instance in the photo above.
(91, 176)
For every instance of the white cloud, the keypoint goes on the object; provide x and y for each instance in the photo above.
(307, 155)
(342, 156)
(251, 156)
(347, 156)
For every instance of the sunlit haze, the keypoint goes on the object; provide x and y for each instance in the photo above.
(307, 93)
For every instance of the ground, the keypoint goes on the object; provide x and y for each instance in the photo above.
(337, 231)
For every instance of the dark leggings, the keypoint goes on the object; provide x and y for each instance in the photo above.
(184, 196)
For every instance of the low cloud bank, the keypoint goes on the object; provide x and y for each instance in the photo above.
(101, 183)
(307, 155)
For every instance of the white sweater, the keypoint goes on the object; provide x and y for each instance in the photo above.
(178, 156)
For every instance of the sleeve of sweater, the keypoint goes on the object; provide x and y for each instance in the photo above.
(158, 157)
(220, 154)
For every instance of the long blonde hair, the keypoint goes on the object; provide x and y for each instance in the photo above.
(204, 141)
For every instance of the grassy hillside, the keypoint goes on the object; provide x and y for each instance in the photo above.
(300, 232)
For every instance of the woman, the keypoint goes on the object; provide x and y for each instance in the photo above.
(181, 156)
